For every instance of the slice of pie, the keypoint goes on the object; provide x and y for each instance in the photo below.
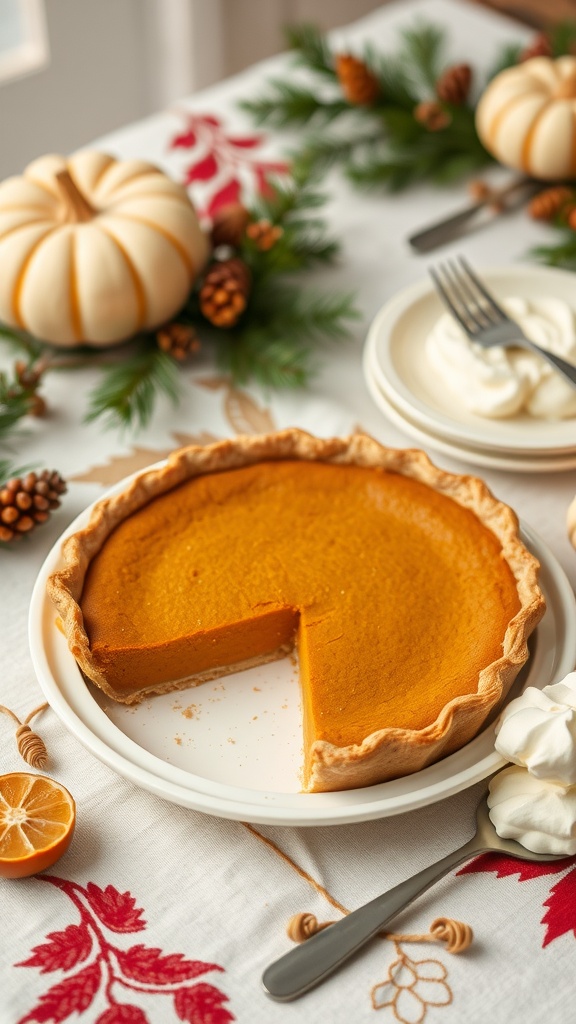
(405, 590)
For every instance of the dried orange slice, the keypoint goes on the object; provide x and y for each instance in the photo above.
(37, 818)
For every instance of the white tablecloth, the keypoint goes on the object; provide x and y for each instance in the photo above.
(177, 912)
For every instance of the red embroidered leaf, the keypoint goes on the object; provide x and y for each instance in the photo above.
(115, 909)
(73, 995)
(142, 963)
(123, 1013)
(63, 950)
(202, 170)
(185, 140)
(209, 119)
(561, 915)
(202, 1004)
(249, 142)
(503, 866)
(230, 193)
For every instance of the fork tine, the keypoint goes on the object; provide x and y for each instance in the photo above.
(446, 296)
(468, 300)
(492, 304)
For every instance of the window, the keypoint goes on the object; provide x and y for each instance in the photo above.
(23, 38)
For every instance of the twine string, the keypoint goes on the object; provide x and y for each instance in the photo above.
(30, 746)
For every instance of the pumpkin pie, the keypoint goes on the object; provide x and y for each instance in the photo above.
(405, 590)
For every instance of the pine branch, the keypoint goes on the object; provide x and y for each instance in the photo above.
(274, 361)
(312, 49)
(561, 254)
(423, 53)
(128, 390)
(273, 346)
(288, 104)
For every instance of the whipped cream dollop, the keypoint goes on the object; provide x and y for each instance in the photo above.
(501, 382)
(539, 815)
(538, 731)
(534, 801)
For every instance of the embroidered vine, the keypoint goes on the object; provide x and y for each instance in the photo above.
(140, 970)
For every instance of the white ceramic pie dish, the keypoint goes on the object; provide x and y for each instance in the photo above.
(233, 747)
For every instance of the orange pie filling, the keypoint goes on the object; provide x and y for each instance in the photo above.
(396, 596)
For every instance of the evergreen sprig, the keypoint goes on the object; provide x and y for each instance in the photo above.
(128, 390)
(273, 343)
(382, 143)
(558, 254)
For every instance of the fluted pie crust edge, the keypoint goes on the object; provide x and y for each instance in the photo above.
(385, 753)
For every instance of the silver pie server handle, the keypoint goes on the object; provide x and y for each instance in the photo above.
(317, 958)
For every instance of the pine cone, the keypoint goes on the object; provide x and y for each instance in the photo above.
(224, 292)
(539, 47)
(178, 340)
(454, 84)
(432, 115)
(359, 85)
(551, 202)
(229, 224)
(264, 234)
(27, 501)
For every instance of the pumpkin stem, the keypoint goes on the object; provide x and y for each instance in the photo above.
(77, 206)
(566, 89)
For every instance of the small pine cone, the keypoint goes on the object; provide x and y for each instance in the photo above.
(178, 340)
(224, 292)
(551, 202)
(432, 115)
(454, 84)
(359, 85)
(229, 225)
(539, 47)
(264, 234)
(27, 501)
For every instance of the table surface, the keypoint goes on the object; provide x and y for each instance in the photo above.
(158, 912)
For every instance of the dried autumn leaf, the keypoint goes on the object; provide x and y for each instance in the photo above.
(244, 414)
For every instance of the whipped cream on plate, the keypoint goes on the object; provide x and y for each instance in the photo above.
(539, 815)
(502, 382)
(534, 801)
(538, 731)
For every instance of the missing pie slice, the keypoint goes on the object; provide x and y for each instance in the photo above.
(406, 591)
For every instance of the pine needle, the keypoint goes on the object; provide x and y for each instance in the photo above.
(312, 49)
(127, 392)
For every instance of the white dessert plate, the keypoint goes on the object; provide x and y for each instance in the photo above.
(232, 748)
(396, 346)
(487, 459)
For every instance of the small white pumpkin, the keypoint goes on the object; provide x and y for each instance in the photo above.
(94, 249)
(526, 117)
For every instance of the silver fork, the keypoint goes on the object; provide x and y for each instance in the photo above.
(480, 316)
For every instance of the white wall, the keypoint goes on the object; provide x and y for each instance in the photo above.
(115, 61)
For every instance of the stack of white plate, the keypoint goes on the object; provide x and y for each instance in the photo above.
(413, 397)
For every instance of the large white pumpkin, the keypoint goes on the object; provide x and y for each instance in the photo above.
(93, 249)
(527, 117)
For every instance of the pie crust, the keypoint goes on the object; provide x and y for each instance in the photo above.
(383, 750)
